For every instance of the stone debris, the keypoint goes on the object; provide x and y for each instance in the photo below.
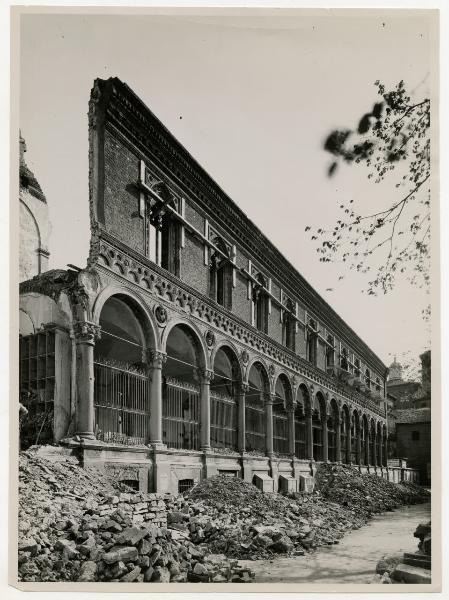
(78, 525)
(75, 524)
(228, 515)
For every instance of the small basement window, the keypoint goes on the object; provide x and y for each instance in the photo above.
(415, 436)
(184, 485)
(226, 473)
(131, 483)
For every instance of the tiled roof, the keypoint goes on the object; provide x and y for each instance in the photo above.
(412, 415)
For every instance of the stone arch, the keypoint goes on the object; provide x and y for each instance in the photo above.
(233, 349)
(263, 364)
(26, 325)
(203, 353)
(138, 304)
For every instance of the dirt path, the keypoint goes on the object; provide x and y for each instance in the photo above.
(354, 559)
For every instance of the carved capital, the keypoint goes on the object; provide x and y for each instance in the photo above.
(268, 399)
(243, 388)
(79, 297)
(86, 332)
(155, 358)
(205, 375)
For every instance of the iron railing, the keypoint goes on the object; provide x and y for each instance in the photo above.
(223, 421)
(180, 414)
(121, 403)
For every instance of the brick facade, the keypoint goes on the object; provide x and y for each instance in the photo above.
(144, 185)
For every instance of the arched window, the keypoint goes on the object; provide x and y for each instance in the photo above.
(280, 420)
(312, 341)
(121, 386)
(302, 398)
(330, 352)
(357, 371)
(255, 409)
(220, 275)
(181, 393)
(289, 326)
(223, 407)
(260, 299)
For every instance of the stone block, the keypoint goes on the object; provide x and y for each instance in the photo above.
(410, 574)
(288, 484)
(306, 483)
(263, 482)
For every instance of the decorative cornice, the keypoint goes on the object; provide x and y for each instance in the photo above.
(125, 113)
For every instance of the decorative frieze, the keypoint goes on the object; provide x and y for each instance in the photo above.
(163, 285)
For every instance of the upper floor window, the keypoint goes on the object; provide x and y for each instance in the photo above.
(344, 363)
(330, 352)
(289, 326)
(378, 388)
(260, 300)
(220, 275)
(164, 231)
(368, 378)
(357, 371)
(312, 341)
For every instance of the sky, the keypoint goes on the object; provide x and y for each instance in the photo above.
(252, 98)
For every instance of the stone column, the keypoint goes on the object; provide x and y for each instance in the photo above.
(325, 440)
(359, 446)
(241, 427)
(309, 433)
(380, 442)
(86, 333)
(155, 361)
(368, 446)
(206, 377)
(375, 448)
(269, 424)
(338, 439)
(291, 430)
(348, 443)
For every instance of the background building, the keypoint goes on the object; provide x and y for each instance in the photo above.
(189, 345)
(34, 222)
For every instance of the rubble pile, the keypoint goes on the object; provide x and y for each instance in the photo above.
(366, 493)
(77, 525)
(230, 516)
